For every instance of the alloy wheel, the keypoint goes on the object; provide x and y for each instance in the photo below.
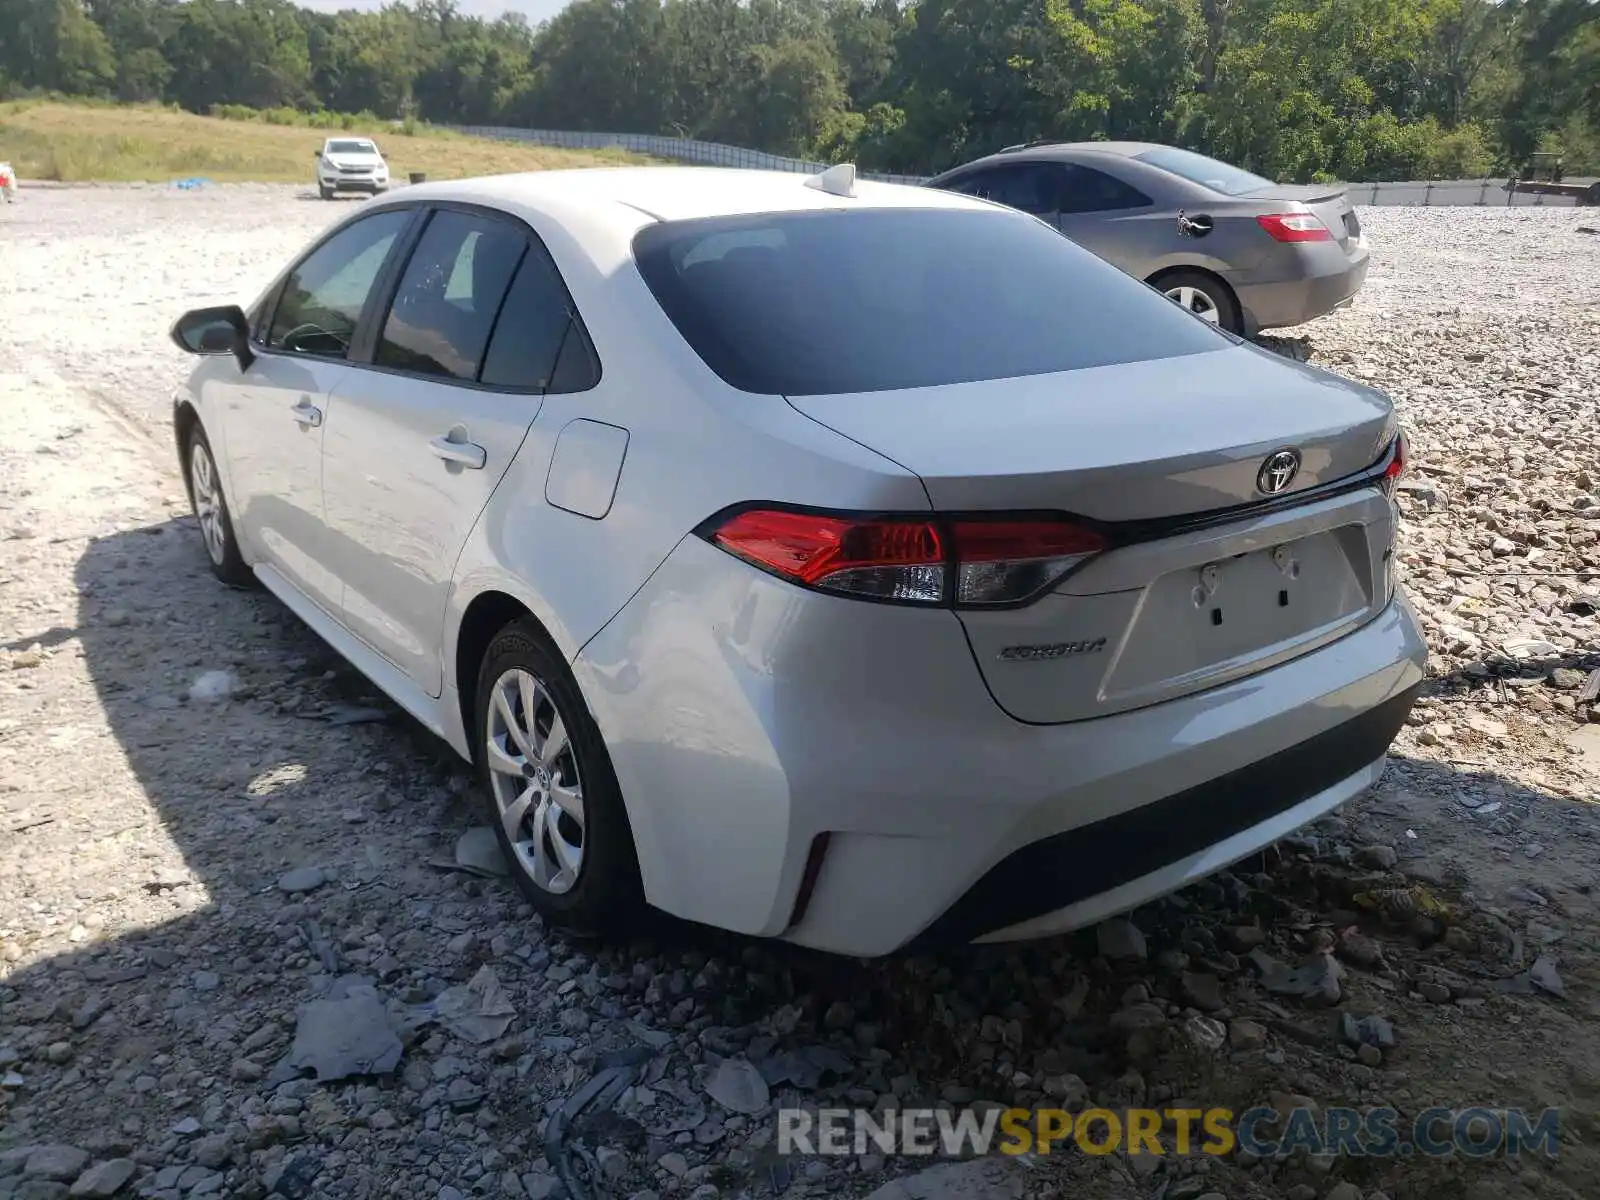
(208, 508)
(1197, 302)
(534, 776)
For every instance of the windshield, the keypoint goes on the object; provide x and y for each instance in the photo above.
(1207, 172)
(817, 303)
(351, 147)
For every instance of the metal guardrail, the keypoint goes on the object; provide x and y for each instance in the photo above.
(690, 150)
(1419, 193)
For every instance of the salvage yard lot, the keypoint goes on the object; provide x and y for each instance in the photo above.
(179, 874)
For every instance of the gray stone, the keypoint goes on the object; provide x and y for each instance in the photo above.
(301, 879)
(478, 852)
(55, 1162)
(1246, 1035)
(1119, 938)
(1138, 1018)
(1382, 858)
(214, 1152)
(1366, 1031)
(1204, 991)
(105, 1179)
(975, 1179)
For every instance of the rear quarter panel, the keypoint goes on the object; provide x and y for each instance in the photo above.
(694, 447)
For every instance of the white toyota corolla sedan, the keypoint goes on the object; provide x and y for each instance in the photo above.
(859, 565)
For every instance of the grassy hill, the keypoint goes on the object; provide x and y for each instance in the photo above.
(80, 143)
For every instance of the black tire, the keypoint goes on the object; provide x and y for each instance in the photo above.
(325, 192)
(1216, 293)
(221, 544)
(607, 895)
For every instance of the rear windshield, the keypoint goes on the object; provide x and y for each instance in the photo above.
(818, 303)
(351, 148)
(1207, 172)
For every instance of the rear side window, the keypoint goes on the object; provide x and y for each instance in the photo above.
(535, 324)
(1030, 187)
(823, 302)
(1086, 190)
(323, 297)
(1207, 172)
(450, 296)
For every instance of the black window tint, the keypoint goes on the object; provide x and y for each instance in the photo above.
(967, 185)
(1029, 187)
(533, 323)
(450, 295)
(577, 367)
(877, 299)
(1086, 190)
(1207, 172)
(323, 297)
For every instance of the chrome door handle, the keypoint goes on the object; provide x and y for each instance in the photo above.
(307, 414)
(468, 454)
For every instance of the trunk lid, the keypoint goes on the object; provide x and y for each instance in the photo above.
(1135, 441)
(1164, 614)
(1330, 203)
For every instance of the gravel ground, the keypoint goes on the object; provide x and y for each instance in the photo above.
(201, 887)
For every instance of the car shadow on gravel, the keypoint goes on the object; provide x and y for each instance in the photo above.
(288, 852)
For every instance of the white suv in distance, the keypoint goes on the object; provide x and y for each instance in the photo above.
(861, 565)
(351, 165)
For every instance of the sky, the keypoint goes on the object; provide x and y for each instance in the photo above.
(534, 10)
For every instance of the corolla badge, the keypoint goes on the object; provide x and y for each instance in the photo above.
(1052, 651)
(1278, 472)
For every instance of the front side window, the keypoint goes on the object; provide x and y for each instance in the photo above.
(823, 302)
(322, 299)
(450, 296)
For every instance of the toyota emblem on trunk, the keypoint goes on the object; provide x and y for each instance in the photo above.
(1278, 472)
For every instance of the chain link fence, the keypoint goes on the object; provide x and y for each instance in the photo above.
(1421, 193)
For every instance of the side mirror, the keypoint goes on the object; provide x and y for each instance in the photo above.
(316, 154)
(215, 331)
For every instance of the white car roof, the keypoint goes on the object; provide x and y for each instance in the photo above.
(603, 207)
(596, 212)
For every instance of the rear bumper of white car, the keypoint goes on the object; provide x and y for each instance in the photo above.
(834, 772)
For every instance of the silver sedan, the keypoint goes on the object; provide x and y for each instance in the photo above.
(849, 564)
(1231, 247)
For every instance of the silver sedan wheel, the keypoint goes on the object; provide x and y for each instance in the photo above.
(208, 502)
(1196, 301)
(534, 775)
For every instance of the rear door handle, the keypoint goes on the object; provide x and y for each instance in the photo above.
(307, 414)
(468, 454)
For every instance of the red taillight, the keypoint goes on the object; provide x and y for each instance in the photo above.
(1295, 227)
(1399, 461)
(913, 560)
